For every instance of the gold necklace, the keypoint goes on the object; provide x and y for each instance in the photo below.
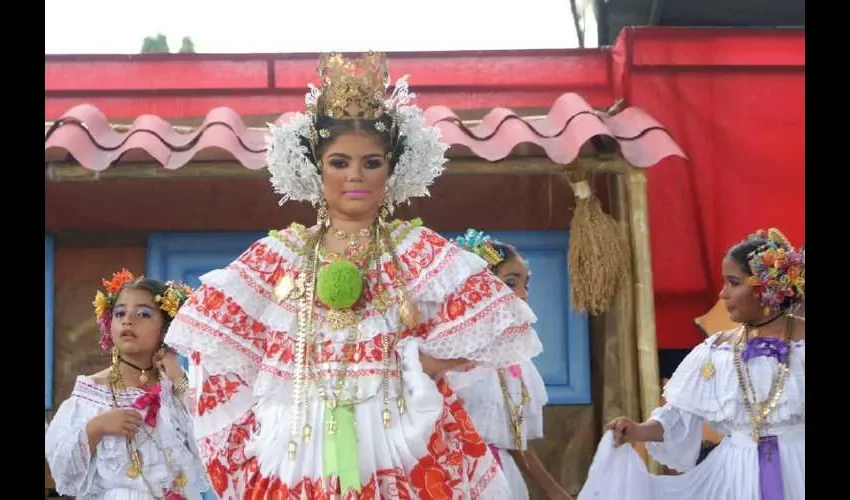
(352, 240)
(304, 360)
(515, 410)
(759, 412)
(135, 470)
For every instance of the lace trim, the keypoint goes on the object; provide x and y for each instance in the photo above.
(228, 319)
(714, 393)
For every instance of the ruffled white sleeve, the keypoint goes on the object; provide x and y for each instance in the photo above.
(690, 400)
(222, 331)
(533, 419)
(682, 438)
(66, 447)
(466, 311)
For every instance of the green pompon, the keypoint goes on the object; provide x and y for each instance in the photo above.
(417, 222)
(339, 284)
(274, 233)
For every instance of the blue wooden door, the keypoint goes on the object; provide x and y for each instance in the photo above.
(49, 249)
(565, 361)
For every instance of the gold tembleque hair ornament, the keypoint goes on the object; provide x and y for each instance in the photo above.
(352, 88)
(355, 89)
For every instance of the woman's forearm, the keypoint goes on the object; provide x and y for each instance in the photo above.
(650, 431)
(437, 367)
(452, 364)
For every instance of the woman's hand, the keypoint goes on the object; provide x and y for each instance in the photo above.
(625, 430)
(436, 368)
(169, 365)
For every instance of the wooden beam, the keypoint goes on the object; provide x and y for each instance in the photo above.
(532, 165)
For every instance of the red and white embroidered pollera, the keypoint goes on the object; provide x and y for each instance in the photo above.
(241, 346)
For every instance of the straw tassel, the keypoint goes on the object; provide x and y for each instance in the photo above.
(598, 253)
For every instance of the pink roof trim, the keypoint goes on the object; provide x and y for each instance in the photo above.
(571, 123)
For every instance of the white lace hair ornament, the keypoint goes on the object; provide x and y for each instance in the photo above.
(355, 89)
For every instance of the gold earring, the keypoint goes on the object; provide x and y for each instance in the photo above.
(766, 311)
(322, 215)
(383, 213)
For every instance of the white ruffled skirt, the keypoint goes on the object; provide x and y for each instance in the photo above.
(730, 472)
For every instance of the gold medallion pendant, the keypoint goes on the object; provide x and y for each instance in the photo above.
(289, 288)
(132, 472)
(135, 468)
(181, 481)
(340, 319)
(283, 288)
(707, 370)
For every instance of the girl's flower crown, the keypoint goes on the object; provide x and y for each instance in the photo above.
(481, 245)
(175, 295)
(779, 270)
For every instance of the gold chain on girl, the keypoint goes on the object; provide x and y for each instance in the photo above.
(779, 279)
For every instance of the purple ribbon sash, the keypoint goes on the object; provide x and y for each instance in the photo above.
(766, 346)
(770, 469)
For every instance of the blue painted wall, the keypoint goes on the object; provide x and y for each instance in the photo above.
(565, 362)
(49, 250)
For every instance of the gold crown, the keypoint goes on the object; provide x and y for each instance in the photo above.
(489, 253)
(352, 88)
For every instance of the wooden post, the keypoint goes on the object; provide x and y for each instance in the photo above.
(647, 347)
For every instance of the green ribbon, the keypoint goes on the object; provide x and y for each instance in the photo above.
(340, 451)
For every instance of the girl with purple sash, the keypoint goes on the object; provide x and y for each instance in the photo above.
(748, 383)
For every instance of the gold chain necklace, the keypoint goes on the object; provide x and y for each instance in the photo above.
(352, 240)
(304, 360)
(759, 412)
(515, 410)
(135, 470)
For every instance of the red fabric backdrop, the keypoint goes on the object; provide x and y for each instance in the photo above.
(734, 101)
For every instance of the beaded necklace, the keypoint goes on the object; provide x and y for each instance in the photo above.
(760, 411)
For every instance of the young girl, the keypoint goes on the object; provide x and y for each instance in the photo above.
(748, 383)
(124, 433)
(506, 405)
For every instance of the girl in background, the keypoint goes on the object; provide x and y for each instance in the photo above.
(506, 404)
(748, 383)
(124, 433)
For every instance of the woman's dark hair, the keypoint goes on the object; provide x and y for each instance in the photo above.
(508, 252)
(156, 288)
(740, 254)
(383, 128)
